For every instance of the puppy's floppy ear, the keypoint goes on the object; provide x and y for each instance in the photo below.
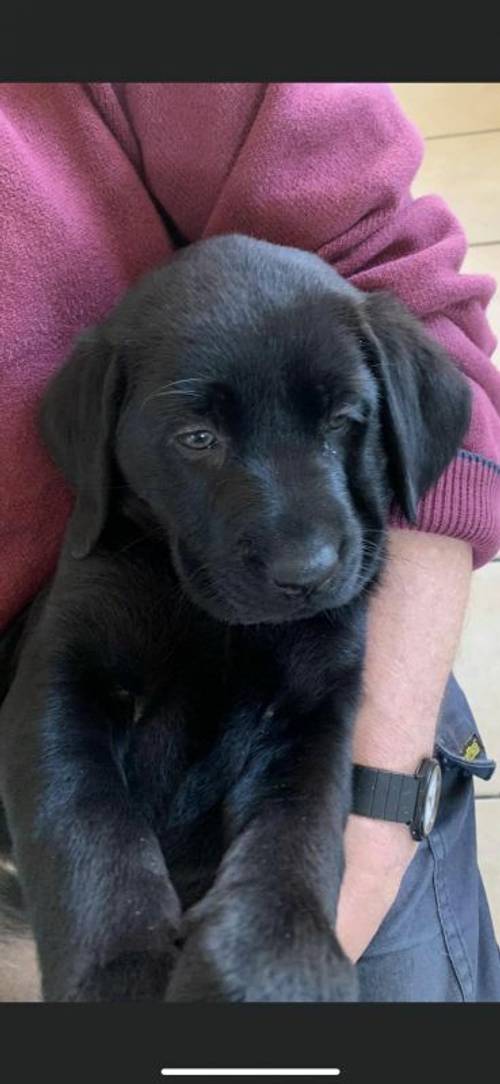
(425, 401)
(77, 419)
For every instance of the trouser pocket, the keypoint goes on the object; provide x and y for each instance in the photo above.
(458, 741)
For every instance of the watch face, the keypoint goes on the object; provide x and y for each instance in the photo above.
(431, 800)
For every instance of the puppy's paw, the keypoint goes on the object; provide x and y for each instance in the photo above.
(238, 950)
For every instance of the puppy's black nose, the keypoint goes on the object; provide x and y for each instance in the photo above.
(306, 569)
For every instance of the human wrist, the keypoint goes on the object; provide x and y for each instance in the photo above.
(393, 738)
(378, 848)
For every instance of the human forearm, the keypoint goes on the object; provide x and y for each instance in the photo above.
(415, 623)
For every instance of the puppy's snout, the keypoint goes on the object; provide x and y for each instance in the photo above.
(301, 569)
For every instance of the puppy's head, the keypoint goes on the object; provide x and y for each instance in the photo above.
(265, 414)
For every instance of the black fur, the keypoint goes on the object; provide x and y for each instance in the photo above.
(175, 739)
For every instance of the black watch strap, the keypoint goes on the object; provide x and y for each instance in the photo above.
(383, 795)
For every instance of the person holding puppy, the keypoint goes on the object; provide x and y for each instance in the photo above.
(101, 182)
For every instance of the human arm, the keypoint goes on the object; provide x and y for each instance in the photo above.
(414, 627)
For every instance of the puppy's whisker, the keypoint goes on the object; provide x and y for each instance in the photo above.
(173, 387)
(176, 391)
(198, 574)
(155, 532)
(328, 617)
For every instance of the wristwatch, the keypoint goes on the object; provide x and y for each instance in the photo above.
(405, 799)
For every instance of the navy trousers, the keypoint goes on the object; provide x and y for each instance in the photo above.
(437, 943)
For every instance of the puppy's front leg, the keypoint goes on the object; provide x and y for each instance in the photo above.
(265, 931)
(103, 909)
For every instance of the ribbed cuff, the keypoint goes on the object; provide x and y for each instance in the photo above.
(464, 503)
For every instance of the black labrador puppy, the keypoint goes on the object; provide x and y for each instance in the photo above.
(175, 737)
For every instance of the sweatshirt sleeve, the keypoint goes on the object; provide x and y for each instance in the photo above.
(328, 167)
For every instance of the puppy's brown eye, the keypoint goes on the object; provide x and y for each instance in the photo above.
(199, 440)
(344, 417)
(337, 422)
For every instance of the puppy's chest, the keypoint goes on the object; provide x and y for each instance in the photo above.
(214, 699)
(209, 684)
(200, 684)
